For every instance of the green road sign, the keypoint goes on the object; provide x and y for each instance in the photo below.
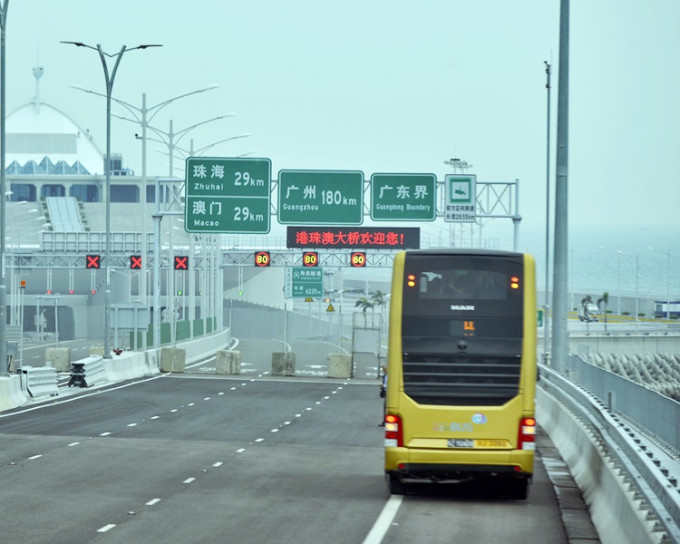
(228, 195)
(303, 282)
(461, 198)
(403, 197)
(321, 197)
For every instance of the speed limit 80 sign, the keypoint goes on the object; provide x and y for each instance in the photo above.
(357, 259)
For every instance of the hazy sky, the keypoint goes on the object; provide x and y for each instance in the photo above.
(386, 86)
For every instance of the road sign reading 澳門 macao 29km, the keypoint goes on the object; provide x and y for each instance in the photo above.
(321, 197)
(403, 197)
(228, 195)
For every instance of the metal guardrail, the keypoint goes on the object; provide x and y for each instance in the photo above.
(648, 409)
(653, 469)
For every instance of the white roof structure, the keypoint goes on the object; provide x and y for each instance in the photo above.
(44, 140)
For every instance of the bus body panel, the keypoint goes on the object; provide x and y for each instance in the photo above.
(438, 440)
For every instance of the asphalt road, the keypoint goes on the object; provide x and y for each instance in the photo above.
(184, 459)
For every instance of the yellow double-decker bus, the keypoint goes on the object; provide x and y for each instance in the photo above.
(461, 369)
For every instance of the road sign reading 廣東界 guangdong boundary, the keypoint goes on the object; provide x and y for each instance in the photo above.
(403, 197)
(321, 197)
(228, 195)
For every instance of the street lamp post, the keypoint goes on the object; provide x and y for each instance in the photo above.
(171, 139)
(109, 79)
(3, 287)
(143, 116)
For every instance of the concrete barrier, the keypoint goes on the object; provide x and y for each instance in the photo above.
(60, 358)
(40, 381)
(11, 393)
(283, 363)
(197, 349)
(128, 366)
(173, 359)
(339, 365)
(228, 362)
(612, 504)
(87, 372)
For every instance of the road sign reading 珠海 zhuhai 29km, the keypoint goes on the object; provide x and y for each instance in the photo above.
(228, 195)
(403, 197)
(321, 197)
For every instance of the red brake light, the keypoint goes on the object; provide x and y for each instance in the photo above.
(411, 280)
(394, 437)
(514, 282)
(526, 439)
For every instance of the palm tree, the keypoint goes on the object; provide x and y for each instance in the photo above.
(604, 300)
(584, 304)
(378, 299)
(365, 305)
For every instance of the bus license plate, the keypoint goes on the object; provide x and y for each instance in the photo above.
(460, 443)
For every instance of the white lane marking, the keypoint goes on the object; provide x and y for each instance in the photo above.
(153, 501)
(189, 480)
(275, 430)
(154, 417)
(35, 457)
(240, 450)
(132, 425)
(191, 404)
(73, 444)
(206, 398)
(218, 464)
(382, 524)
(173, 410)
(259, 440)
(107, 433)
(106, 528)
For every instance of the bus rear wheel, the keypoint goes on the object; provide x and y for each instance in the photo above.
(396, 485)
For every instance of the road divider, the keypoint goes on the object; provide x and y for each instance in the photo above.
(39, 381)
(87, 372)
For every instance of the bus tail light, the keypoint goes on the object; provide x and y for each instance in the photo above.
(394, 437)
(527, 434)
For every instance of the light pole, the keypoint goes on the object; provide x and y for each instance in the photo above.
(3, 286)
(143, 116)
(109, 79)
(546, 307)
(171, 139)
(457, 164)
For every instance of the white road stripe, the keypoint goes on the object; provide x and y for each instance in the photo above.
(35, 457)
(153, 501)
(106, 528)
(189, 480)
(382, 524)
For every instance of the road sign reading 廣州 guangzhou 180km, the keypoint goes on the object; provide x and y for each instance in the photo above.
(403, 197)
(321, 197)
(228, 195)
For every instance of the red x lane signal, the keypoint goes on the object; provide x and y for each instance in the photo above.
(136, 262)
(181, 262)
(92, 261)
